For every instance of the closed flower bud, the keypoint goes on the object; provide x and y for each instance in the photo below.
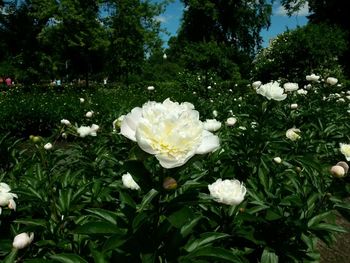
(344, 165)
(231, 121)
(292, 134)
(65, 122)
(338, 171)
(277, 159)
(169, 183)
(81, 100)
(294, 106)
(48, 146)
(150, 87)
(22, 240)
(89, 114)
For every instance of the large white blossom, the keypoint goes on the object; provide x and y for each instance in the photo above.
(170, 131)
(7, 198)
(129, 182)
(272, 90)
(345, 149)
(22, 240)
(312, 77)
(331, 81)
(229, 192)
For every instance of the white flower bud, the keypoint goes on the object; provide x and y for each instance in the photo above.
(294, 106)
(89, 114)
(332, 81)
(277, 160)
(48, 146)
(229, 192)
(81, 100)
(337, 171)
(65, 122)
(150, 87)
(129, 182)
(231, 121)
(22, 240)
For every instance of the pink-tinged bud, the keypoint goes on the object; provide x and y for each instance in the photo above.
(22, 240)
(169, 183)
(338, 171)
(344, 165)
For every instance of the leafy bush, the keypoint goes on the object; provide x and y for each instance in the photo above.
(308, 49)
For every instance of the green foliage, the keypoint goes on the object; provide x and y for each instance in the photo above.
(302, 51)
(73, 199)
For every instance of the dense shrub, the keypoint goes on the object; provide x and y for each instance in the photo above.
(308, 49)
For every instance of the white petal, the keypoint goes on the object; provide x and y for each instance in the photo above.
(130, 123)
(210, 143)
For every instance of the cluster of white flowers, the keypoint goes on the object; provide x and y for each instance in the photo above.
(229, 192)
(88, 130)
(7, 198)
(272, 91)
(170, 131)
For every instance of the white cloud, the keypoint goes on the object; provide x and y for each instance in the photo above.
(163, 19)
(281, 11)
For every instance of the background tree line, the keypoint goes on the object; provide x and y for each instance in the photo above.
(119, 39)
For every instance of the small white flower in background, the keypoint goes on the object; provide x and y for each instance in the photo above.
(215, 113)
(117, 123)
(48, 146)
(345, 149)
(292, 134)
(293, 106)
(84, 131)
(289, 86)
(341, 100)
(194, 92)
(253, 124)
(331, 81)
(229, 192)
(7, 198)
(64, 135)
(312, 77)
(256, 84)
(230, 90)
(22, 240)
(302, 91)
(242, 128)
(212, 125)
(129, 182)
(277, 160)
(338, 85)
(348, 97)
(211, 101)
(272, 90)
(170, 131)
(165, 56)
(209, 87)
(308, 86)
(89, 114)
(81, 100)
(231, 121)
(65, 122)
(150, 87)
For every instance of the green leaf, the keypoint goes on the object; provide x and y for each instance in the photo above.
(329, 227)
(68, 258)
(126, 198)
(269, 257)
(214, 254)
(180, 217)
(104, 228)
(31, 222)
(114, 242)
(204, 239)
(318, 218)
(147, 199)
(187, 229)
(104, 214)
(11, 258)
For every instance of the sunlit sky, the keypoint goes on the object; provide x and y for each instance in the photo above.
(279, 21)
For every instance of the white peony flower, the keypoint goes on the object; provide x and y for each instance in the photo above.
(150, 87)
(256, 84)
(129, 182)
(209, 87)
(345, 149)
(229, 192)
(89, 114)
(7, 198)
(48, 146)
(212, 125)
(272, 91)
(215, 112)
(289, 86)
(65, 122)
(22, 240)
(81, 100)
(170, 131)
(86, 130)
(331, 81)
(302, 91)
(312, 77)
(292, 134)
(293, 106)
(231, 121)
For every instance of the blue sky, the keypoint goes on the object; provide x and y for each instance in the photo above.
(279, 21)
